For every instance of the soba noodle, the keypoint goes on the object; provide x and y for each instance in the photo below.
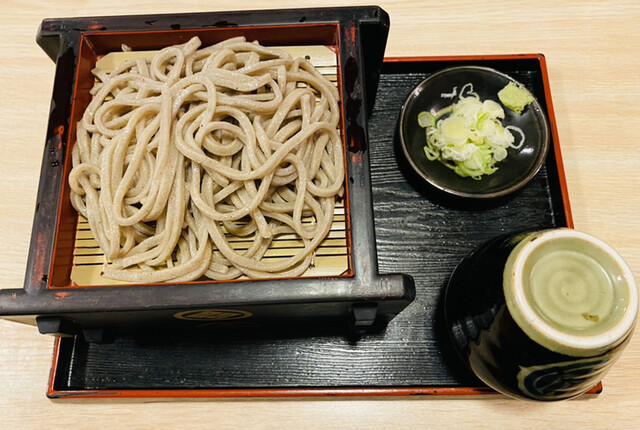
(177, 152)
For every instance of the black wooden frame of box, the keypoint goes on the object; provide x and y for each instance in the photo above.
(360, 298)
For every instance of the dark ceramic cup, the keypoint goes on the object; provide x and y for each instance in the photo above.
(541, 315)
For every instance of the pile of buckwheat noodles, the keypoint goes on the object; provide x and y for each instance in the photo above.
(175, 151)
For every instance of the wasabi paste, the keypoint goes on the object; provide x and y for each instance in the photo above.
(515, 97)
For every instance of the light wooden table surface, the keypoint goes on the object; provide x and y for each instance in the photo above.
(593, 56)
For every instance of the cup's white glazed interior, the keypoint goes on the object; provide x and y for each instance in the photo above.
(570, 292)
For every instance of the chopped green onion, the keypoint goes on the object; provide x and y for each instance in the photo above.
(425, 119)
(468, 136)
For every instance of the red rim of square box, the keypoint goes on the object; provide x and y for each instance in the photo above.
(59, 273)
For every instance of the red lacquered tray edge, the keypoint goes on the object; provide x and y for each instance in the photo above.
(266, 392)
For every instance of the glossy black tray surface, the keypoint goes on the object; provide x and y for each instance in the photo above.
(418, 232)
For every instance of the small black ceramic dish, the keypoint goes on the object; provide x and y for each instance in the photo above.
(441, 90)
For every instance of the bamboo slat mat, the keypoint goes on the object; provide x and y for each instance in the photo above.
(331, 257)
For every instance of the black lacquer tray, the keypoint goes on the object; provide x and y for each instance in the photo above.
(418, 232)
